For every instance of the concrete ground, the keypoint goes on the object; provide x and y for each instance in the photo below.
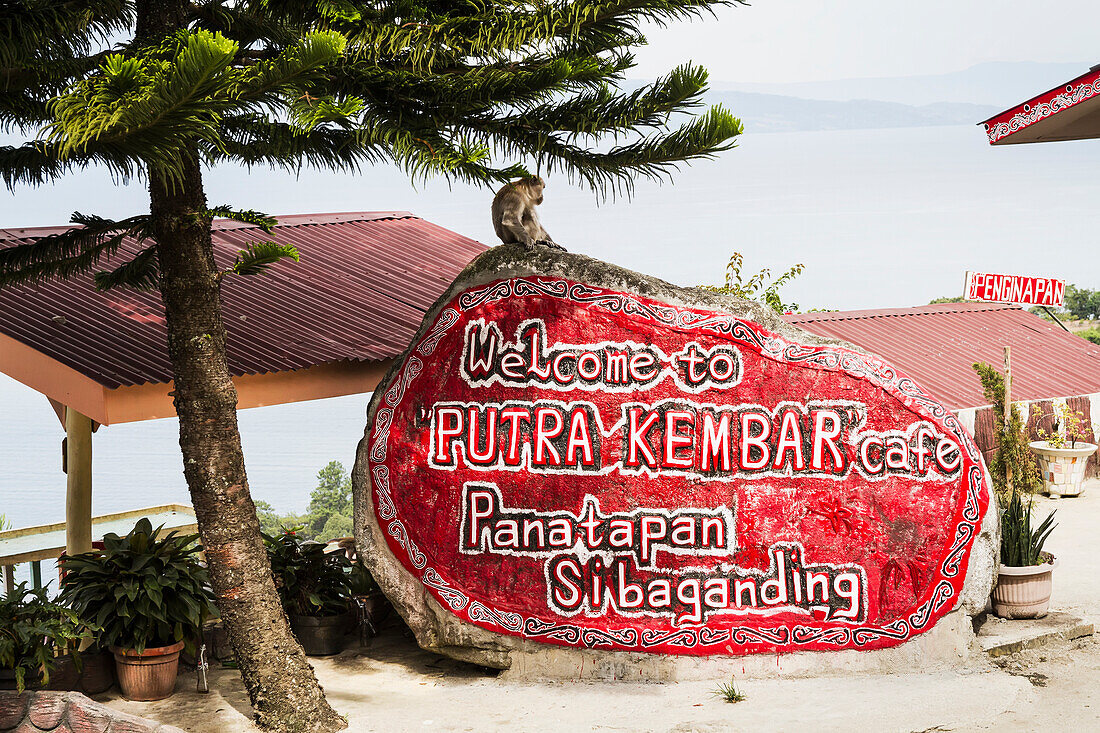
(391, 685)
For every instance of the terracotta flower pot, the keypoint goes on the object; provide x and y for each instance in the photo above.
(1063, 468)
(1023, 592)
(147, 675)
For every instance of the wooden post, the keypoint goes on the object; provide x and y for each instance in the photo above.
(78, 498)
(9, 579)
(1008, 412)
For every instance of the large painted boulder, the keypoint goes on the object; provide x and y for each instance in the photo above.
(572, 454)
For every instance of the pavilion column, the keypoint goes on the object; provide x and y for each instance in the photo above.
(78, 499)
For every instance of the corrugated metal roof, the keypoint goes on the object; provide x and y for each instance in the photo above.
(359, 293)
(937, 344)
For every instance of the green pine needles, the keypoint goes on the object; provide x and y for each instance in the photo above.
(479, 91)
(474, 91)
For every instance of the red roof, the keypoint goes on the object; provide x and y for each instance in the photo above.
(936, 345)
(1070, 111)
(359, 293)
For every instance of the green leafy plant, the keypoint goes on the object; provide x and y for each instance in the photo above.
(757, 287)
(360, 580)
(143, 590)
(1082, 303)
(729, 692)
(1022, 544)
(1091, 335)
(1012, 452)
(34, 631)
(310, 581)
(1069, 425)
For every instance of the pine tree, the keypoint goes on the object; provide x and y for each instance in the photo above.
(165, 89)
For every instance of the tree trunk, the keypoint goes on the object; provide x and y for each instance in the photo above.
(284, 691)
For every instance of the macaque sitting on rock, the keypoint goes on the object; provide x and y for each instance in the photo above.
(514, 216)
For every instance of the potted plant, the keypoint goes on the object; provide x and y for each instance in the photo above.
(1025, 580)
(315, 589)
(40, 641)
(1062, 452)
(149, 595)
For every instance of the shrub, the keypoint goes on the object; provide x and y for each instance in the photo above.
(143, 590)
(34, 630)
(1012, 448)
(310, 581)
(1090, 334)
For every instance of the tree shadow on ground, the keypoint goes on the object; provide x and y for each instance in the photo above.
(395, 645)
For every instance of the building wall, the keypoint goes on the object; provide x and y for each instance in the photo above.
(979, 421)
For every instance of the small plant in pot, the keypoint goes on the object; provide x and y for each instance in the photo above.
(150, 596)
(37, 637)
(314, 587)
(1025, 579)
(1063, 451)
(1025, 576)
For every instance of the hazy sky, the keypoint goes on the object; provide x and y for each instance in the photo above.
(810, 40)
(777, 199)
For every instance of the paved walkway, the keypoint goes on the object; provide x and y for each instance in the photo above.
(393, 686)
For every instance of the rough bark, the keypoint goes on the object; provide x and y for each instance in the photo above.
(282, 687)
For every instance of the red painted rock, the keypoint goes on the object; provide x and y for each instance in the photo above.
(572, 454)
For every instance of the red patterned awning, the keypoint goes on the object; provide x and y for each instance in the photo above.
(1070, 111)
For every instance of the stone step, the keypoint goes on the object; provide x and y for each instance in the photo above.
(998, 637)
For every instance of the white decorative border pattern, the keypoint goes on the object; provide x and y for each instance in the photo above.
(1074, 93)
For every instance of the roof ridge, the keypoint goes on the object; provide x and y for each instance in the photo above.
(903, 312)
(337, 217)
(8, 234)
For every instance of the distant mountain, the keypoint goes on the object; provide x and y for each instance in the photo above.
(774, 113)
(999, 84)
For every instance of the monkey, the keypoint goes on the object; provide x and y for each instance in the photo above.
(514, 217)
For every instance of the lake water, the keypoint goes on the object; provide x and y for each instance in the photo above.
(880, 218)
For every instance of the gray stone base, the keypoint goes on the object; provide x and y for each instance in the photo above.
(999, 637)
(949, 644)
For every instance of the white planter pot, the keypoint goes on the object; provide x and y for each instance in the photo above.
(1063, 468)
(1023, 592)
